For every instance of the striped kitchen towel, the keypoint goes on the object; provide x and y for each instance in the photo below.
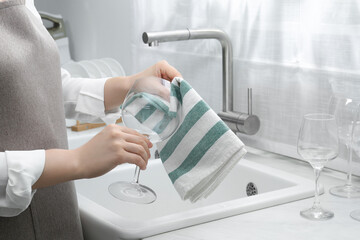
(153, 113)
(202, 151)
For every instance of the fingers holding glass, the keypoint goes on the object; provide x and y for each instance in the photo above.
(148, 111)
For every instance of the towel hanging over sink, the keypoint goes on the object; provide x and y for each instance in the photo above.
(202, 151)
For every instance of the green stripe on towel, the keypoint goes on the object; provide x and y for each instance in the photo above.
(179, 92)
(131, 99)
(199, 150)
(175, 91)
(160, 126)
(145, 112)
(184, 88)
(156, 101)
(153, 104)
(191, 118)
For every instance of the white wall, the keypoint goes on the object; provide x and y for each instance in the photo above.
(294, 54)
(289, 52)
(95, 28)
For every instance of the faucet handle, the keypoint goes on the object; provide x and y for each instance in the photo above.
(242, 122)
(249, 92)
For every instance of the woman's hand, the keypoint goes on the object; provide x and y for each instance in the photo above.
(112, 146)
(161, 69)
(115, 89)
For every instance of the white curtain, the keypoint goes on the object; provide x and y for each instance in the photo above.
(294, 54)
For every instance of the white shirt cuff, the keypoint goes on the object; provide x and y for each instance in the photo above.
(91, 98)
(91, 101)
(84, 99)
(24, 168)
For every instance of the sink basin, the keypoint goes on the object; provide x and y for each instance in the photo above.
(105, 217)
(249, 186)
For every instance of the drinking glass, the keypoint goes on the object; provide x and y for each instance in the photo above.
(345, 112)
(356, 140)
(355, 214)
(317, 144)
(149, 109)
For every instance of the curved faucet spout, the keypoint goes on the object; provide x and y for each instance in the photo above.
(227, 63)
(245, 123)
(154, 38)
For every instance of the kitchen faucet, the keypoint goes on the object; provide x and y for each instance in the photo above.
(238, 122)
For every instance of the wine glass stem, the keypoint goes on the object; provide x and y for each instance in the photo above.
(349, 172)
(136, 175)
(317, 199)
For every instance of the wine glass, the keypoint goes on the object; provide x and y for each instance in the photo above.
(356, 140)
(345, 112)
(151, 109)
(355, 214)
(318, 143)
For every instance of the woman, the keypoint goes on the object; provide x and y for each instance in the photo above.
(37, 197)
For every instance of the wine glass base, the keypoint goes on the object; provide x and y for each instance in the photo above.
(346, 191)
(355, 214)
(132, 192)
(317, 214)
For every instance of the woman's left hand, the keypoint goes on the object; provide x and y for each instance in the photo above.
(161, 69)
(116, 88)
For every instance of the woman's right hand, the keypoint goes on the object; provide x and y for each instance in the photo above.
(112, 146)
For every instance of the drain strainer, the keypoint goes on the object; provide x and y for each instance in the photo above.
(157, 154)
(251, 189)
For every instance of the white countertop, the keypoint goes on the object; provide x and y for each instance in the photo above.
(279, 222)
(283, 221)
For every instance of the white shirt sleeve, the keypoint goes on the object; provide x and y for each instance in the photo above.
(19, 170)
(84, 99)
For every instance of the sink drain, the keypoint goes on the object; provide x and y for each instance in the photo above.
(157, 154)
(251, 189)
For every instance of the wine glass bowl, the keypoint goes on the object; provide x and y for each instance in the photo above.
(317, 144)
(346, 111)
(150, 108)
(355, 214)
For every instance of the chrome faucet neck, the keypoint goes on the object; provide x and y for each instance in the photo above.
(238, 122)
(154, 38)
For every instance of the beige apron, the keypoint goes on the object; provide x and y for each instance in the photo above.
(32, 117)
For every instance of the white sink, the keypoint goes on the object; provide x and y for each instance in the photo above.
(104, 217)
